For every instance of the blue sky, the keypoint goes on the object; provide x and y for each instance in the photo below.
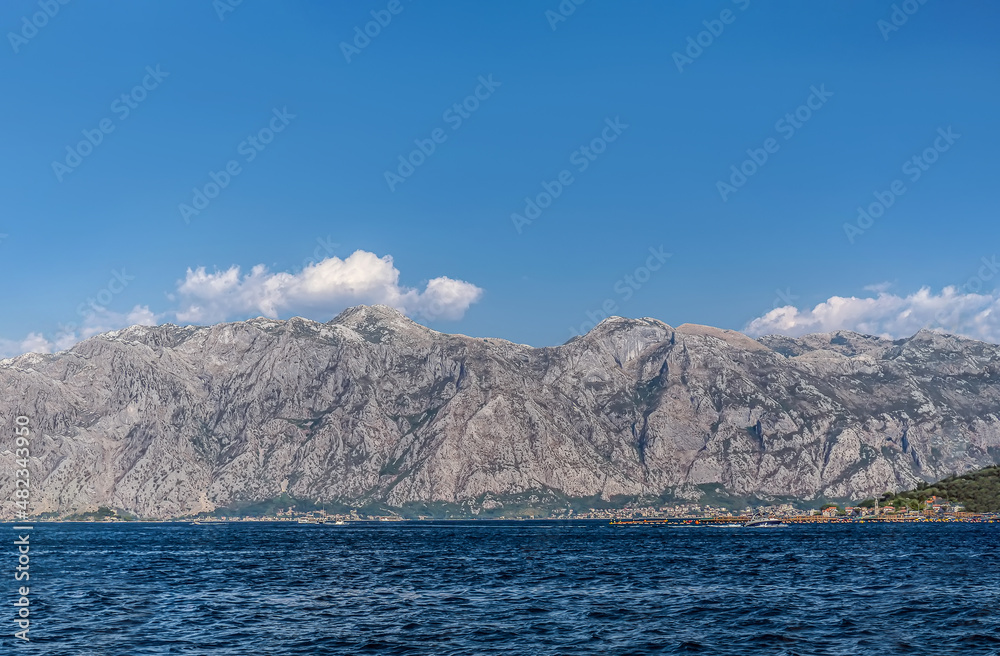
(101, 241)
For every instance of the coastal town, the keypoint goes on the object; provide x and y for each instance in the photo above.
(933, 509)
(934, 506)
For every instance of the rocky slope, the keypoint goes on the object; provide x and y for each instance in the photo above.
(171, 420)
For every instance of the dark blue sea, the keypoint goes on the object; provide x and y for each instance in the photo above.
(507, 588)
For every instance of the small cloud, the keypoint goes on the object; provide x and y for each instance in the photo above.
(320, 290)
(972, 315)
(99, 321)
(36, 343)
(878, 288)
(323, 288)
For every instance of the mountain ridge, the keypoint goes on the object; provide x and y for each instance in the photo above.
(371, 406)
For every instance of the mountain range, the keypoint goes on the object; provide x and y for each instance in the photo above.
(372, 407)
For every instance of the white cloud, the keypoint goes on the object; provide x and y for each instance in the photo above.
(319, 291)
(36, 343)
(100, 320)
(890, 315)
(323, 289)
(878, 288)
(103, 320)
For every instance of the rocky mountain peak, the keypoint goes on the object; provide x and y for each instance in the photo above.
(615, 324)
(623, 339)
(842, 342)
(378, 323)
(374, 314)
(730, 337)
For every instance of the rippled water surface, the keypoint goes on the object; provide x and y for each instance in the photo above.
(510, 588)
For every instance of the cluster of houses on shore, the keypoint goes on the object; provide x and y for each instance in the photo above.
(934, 505)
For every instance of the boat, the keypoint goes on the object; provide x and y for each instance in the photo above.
(766, 522)
(311, 521)
(199, 522)
(339, 522)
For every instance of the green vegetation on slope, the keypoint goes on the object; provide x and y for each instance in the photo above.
(978, 491)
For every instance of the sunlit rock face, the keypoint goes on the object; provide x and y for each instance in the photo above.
(167, 420)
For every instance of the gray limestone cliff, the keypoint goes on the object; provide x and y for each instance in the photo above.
(168, 420)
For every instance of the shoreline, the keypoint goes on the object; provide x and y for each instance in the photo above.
(964, 518)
